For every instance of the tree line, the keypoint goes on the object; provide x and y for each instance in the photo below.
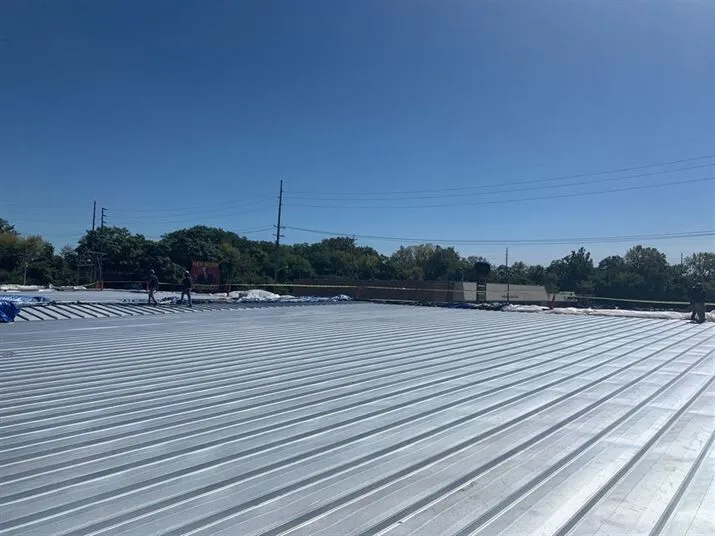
(642, 273)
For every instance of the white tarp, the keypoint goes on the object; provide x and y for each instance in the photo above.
(668, 315)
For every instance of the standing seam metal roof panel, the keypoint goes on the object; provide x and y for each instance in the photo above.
(357, 419)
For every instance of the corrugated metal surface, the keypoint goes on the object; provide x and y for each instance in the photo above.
(108, 295)
(94, 296)
(69, 311)
(358, 419)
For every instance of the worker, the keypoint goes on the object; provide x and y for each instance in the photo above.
(186, 285)
(697, 301)
(152, 286)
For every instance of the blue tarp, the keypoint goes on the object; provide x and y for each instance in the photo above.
(21, 299)
(8, 311)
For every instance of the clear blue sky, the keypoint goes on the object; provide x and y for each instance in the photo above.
(175, 113)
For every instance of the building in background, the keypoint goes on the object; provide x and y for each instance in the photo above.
(205, 273)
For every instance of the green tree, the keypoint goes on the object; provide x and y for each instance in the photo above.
(642, 273)
(198, 243)
(574, 272)
(123, 254)
(408, 262)
(230, 262)
(614, 279)
(499, 274)
(651, 268)
(33, 249)
(537, 275)
(519, 274)
(26, 260)
(444, 264)
(428, 262)
(9, 255)
(701, 267)
(6, 228)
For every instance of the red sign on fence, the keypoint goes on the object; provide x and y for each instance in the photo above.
(205, 273)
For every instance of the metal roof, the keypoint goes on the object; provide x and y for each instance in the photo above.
(357, 419)
(70, 311)
(95, 296)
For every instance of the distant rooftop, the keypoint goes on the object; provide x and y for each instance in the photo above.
(357, 419)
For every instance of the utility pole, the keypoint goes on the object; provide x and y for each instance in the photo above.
(91, 242)
(278, 234)
(101, 249)
(508, 278)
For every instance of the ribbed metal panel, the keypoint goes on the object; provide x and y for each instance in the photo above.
(357, 419)
(66, 310)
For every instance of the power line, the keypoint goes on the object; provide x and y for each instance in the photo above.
(505, 201)
(79, 233)
(131, 221)
(196, 208)
(149, 211)
(199, 216)
(75, 222)
(233, 209)
(248, 230)
(241, 232)
(279, 228)
(540, 241)
(485, 190)
(67, 234)
(531, 181)
(255, 229)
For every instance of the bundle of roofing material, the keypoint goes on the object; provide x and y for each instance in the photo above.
(664, 315)
(260, 295)
(22, 299)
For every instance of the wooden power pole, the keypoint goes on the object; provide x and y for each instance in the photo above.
(278, 234)
(508, 277)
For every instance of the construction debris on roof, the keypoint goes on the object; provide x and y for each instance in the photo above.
(113, 303)
(359, 419)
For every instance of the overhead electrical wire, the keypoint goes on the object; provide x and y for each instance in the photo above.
(505, 201)
(486, 189)
(232, 204)
(178, 215)
(319, 197)
(249, 230)
(74, 234)
(195, 209)
(254, 230)
(530, 181)
(538, 241)
(204, 216)
(67, 234)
